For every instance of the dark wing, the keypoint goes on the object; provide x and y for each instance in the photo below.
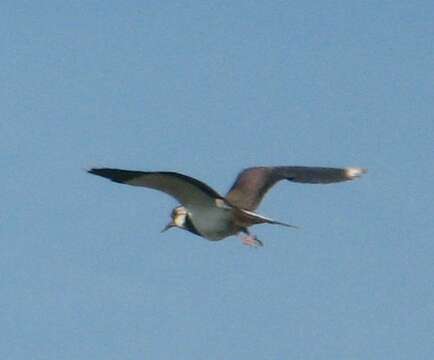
(252, 184)
(185, 189)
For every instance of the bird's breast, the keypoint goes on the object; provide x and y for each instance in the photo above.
(213, 223)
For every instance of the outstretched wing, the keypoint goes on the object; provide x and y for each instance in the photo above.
(187, 190)
(252, 184)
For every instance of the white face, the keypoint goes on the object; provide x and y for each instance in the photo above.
(179, 216)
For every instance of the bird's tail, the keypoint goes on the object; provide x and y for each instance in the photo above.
(255, 218)
(283, 224)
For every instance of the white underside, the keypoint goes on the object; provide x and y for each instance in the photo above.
(213, 223)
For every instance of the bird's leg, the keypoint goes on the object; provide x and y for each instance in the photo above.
(251, 240)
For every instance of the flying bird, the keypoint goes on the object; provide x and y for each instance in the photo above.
(206, 213)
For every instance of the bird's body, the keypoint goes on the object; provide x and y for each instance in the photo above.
(206, 213)
(213, 223)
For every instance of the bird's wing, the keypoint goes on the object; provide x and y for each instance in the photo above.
(185, 189)
(252, 184)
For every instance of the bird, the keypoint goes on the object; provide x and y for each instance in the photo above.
(206, 213)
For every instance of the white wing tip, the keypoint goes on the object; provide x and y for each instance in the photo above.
(354, 173)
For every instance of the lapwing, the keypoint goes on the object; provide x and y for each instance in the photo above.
(206, 213)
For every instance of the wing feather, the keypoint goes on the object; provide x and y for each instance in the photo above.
(252, 184)
(185, 189)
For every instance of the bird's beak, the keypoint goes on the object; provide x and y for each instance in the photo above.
(168, 226)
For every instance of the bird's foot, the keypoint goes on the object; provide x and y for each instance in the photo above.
(251, 240)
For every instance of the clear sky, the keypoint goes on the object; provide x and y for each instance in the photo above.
(207, 88)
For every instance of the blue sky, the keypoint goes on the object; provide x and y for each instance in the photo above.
(208, 88)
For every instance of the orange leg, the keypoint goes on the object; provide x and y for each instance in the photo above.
(251, 240)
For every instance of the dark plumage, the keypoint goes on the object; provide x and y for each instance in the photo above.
(206, 213)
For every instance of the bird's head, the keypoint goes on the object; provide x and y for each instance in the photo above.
(179, 217)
